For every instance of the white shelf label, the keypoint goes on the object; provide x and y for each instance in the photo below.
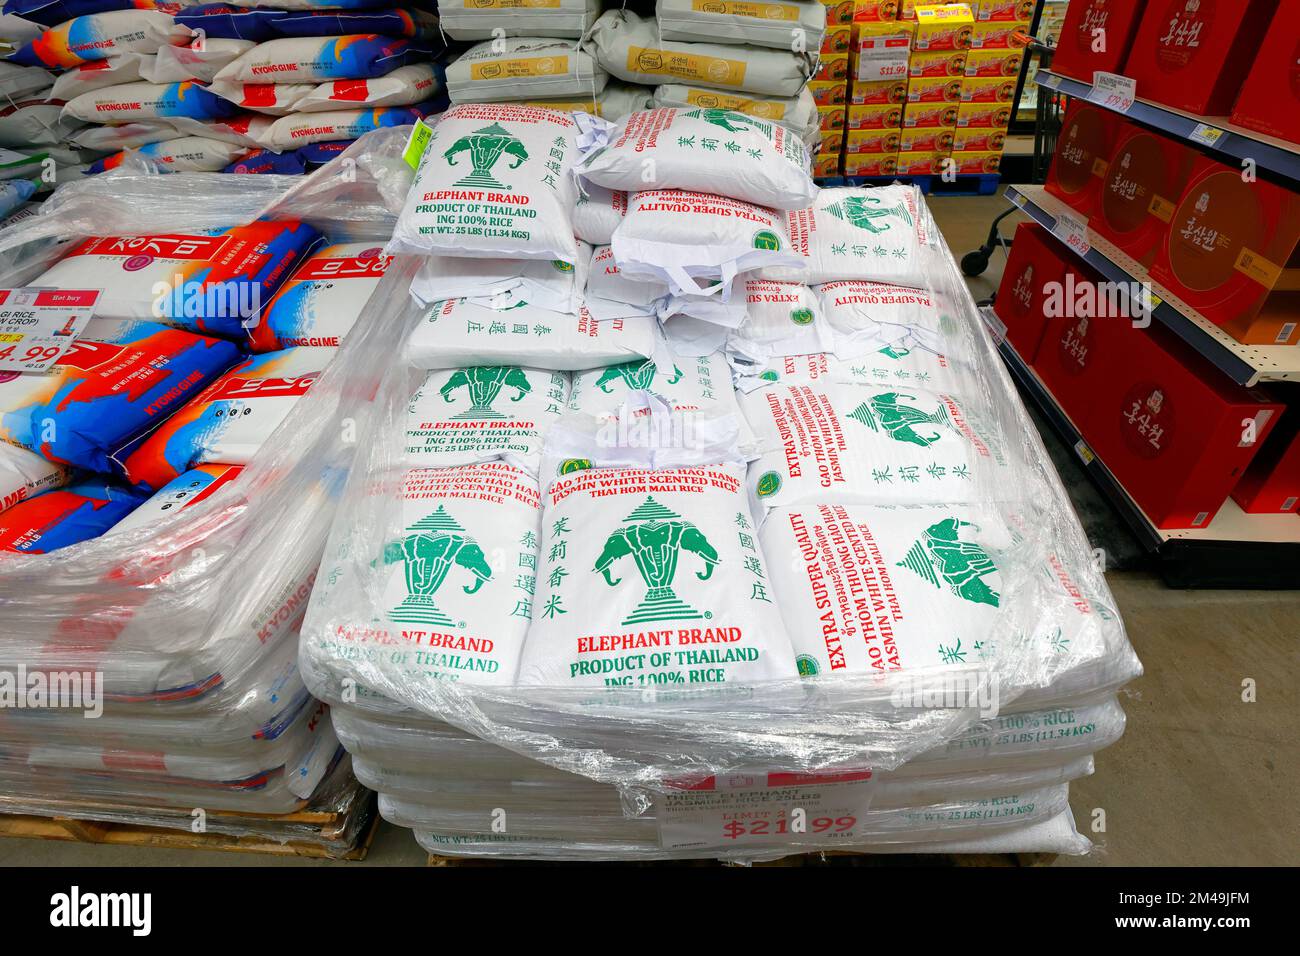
(997, 328)
(1207, 135)
(1049, 80)
(1084, 452)
(1017, 199)
(1113, 91)
(39, 326)
(1073, 232)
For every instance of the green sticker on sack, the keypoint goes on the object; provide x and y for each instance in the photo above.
(421, 133)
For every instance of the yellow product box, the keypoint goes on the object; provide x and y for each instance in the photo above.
(831, 67)
(1017, 10)
(878, 93)
(921, 163)
(875, 116)
(976, 162)
(831, 117)
(1000, 35)
(930, 115)
(983, 115)
(988, 89)
(838, 11)
(826, 164)
(943, 27)
(979, 140)
(934, 89)
(870, 164)
(829, 92)
(871, 11)
(837, 39)
(938, 63)
(872, 141)
(907, 8)
(882, 36)
(993, 62)
(930, 139)
(832, 141)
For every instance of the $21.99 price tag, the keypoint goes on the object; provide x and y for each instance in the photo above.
(39, 326)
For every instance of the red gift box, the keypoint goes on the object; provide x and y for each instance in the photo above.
(1083, 150)
(1145, 177)
(1269, 101)
(1071, 355)
(1075, 54)
(1231, 254)
(1271, 485)
(1173, 430)
(1194, 54)
(1034, 261)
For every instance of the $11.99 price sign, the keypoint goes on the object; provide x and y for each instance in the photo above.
(40, 326)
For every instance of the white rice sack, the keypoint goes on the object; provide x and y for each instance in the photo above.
(861, 233)
(503, 283)
(125, 136)
(477, 19)
(839, 443)
(98, 74)
(781, 318)
(465, 415)
(274, 99)
(630, 48)
(696, 384)
(614, 102)
(865, 316)
(681, 237)
(318, 59)
(496, 180)
(192, 154)
(797, 113)
(323, 297)
(612, 295)
(101, 36)
(405, 86)
(876, 590)
(246, 129)
(522, 68)
(897, 364)
(649, 578)
(301, 129)
(31, 123)
(18, 82)
(781, 24)
(455, 583)
(24, 473)
(701, 150)
(597, 213)
(172, 64)
(133, 102)
(458, 333)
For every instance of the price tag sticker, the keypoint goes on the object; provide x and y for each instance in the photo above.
(775, 809)
(418, 142)
(997, 328)
(39, 326)
(1113, 91)
(1207, 135)
(1084, 452)
(1017, 199)
(1049, 80)
(1073, 232)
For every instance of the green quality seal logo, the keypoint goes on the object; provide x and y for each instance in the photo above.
(571, 465)
(767, 239)
(769, 483)
(801, 316)
(806, 665)
(654, 537)
(432, 547)
(486, 146)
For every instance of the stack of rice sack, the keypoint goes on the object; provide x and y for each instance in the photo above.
(203, 343)
(549, 593)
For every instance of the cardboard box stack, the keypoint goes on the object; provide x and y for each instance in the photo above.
(830, 86)
(881, 45)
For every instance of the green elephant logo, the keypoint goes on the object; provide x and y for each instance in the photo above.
(895, 352)
(486, 146)
(635, 375)
(432, 546)
(900, 422)
(655, 537)
(868, 212)
(942, 558)
(484, 383)
(731, 121)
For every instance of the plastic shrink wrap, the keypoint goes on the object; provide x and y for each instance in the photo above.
(180, 626)
(642, 622)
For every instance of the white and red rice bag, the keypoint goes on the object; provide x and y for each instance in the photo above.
(319, 303)
(405, 86)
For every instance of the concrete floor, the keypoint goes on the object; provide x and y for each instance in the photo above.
(1200, 777)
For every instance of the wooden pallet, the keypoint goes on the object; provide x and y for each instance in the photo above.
(833, 858)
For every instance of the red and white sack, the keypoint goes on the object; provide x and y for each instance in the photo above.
(700, 150)
(24, 473)
(459, 333)
(631, 49)
(878, 444)
(317, 59)
(479, 19)
(405, 86)
(597, 213)
(273, 99)
(193, 154)
(175, 64)
(796, 113)
(100, 36)
(866, 316)
(504, 283)
(452, 575)
(29, 123)
(652, 578)
(97, 75)
(19, 82)
(523, 68)
(854, 232)
(124, 136)
(779, 24)
(322, 299)
(781, 318)
(246, 129)
(300, 129)
(697, 242)
(135, 102)
(612, 295)
(496, 180)
(465, 415)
